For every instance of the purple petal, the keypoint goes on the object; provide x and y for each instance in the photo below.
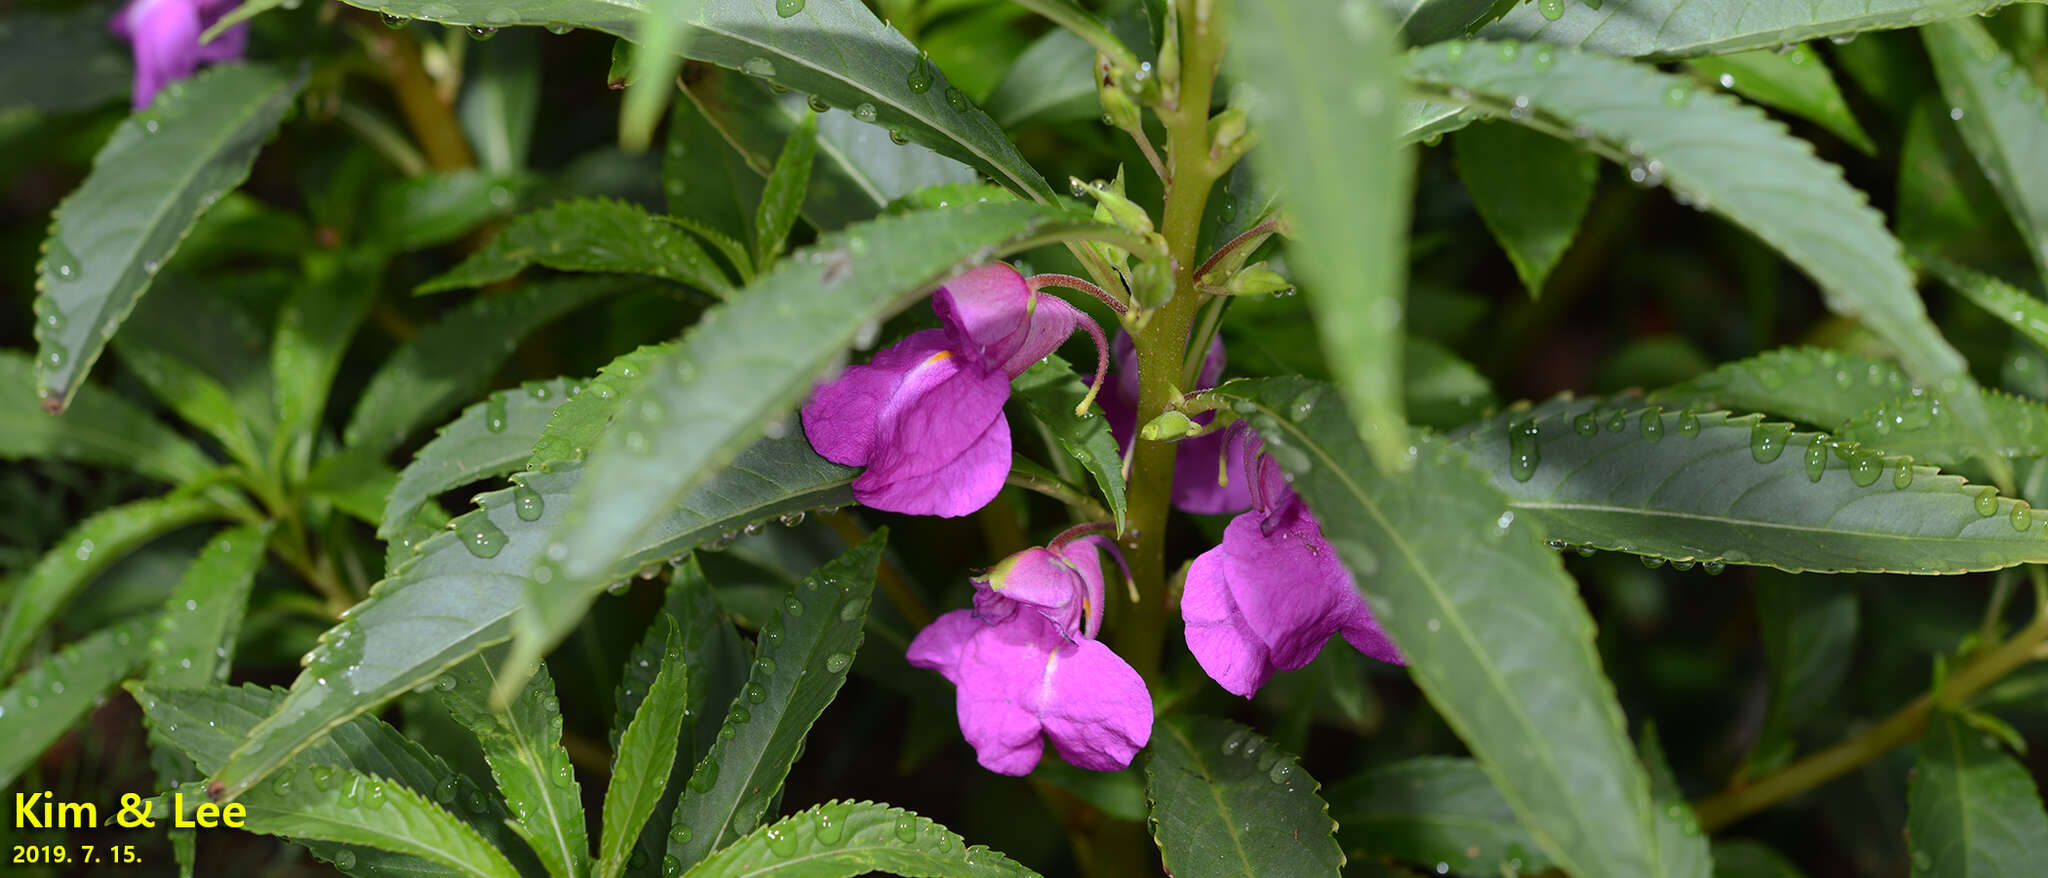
(228, 46)
(939, 645)
(165, 37)
(1039, 579)
(1199, 485)
(1001, 679)
(992, 314)
(840, 417)
(941, 445)
(1097, 712)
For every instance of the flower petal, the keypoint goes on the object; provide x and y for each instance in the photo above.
(1096, 711)
(229, 46)
(942, 445)
(982, 309)
(939, 645)
(1218, 634)
(840, 417)
(165, 37)
(1041, 580)
(1001, 687)
(1199, 485)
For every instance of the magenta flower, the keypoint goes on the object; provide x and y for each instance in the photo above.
(1273, 592)
(1025, 664)
(165, 37)
(926, 415)
(1201, 482)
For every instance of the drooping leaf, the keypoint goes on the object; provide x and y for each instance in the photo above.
(1926, 429)
(1492, 629)
(1051, 390)
(1225, 801)
(645, 753)
(783, 195)
(844, 839)
(2003, 116)
(452, 358)
(1796, 81)
(1346, 180)
(74, 39)
(457, 592)
(799, 664)
(366, 810)
(748, 361)
(194, 640)
(1972, 810)
(100, 427)
(90, 547)
(1809, 633)
(835, 49)
(1531, 189)
(1817, 387)
(523, 743)
(162, 168)
(1725, 157)
(588, 235)
(490, 438)
(43, 702)
(1679, 28)
(1714, 487)
(1430, 810)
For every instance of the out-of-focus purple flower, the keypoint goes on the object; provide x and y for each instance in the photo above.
(1273, 592)
(1025, 664)
(925, 416)
(1201, 482)
(165, 37)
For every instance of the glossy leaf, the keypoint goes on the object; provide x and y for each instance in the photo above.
(799, 664)
(578, 422)
(1430, 810)
(90, 547)
(1225, 801)
(458, 592)
(523, 743)
(204, 358)
(2011, 305)
(1710, 486)
(162, 168)
(2003, 116)
(1427, 21)
(1725, 157)
(43, 702)
(645, 752)
(1531, 189)
(844, 839)
(1052, 82)
(1685, 28)
(1794, 80)
(835, 49)
(490, 438)
(452, 358)
(1051, 389)
(100, 427)
(194, 640)
(1926, 429)
(1972, 810)
(784, 193)
(1492, 629)
(1346, 179)
(361, 809)
(1820, 388)
(748, 362)
(588, 235)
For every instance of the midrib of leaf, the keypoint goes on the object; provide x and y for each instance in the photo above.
(393, 841)
(536, 765)
(1194, 753)
(1454, 619)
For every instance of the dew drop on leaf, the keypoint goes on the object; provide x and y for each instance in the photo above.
(788, 8)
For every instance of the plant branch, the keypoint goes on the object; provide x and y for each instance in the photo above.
(432, 121)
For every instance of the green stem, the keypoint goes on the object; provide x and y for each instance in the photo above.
(1162, 343)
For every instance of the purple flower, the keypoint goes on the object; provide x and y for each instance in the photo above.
(165, 37)
(1026, 663)
(925, 416)
(1274, 591)
(1201, 484)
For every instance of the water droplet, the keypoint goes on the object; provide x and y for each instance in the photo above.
(1653, 423)
(1677, 95)
(792, 606)
(1523, 455)
(482, 538)
(1955, 114)
(480, 32)
(445, 684)
(837, 662)
(781, 842)
(1865, 467)
(956, 100)
(1652, 562)
(1552, 9)
(1713, 567)
(2022, 516)
(1904, 477)
(475, 802)
(323, 777)
(831, 825)
(282, 783)
(494, 414)
(920, 78)
(1817, 458)
(766, 664)
(670, 866)
(373, 797)
(1688, 424)
(705, 777)
(906, 828)
(852, 611)
(788, 8)
(761, 67)
(1681, 566)
(864, 111)
(528, 503)
(896, 136)
(558, 28)
(1587, 424)
(395, 22)
(1767, 441)
(1987, 501)
(344, 859)
(444, 792)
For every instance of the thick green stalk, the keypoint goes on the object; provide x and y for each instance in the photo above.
(1162, 343)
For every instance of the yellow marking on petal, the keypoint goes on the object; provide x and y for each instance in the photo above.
(939, 357)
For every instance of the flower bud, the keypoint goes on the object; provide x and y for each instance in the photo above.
(1170, 425)
(1121, 210)
(1256, 279)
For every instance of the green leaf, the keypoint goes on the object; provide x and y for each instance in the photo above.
(576, 425)
(194, 643)
(356, 481)
(1926, 429)
(2004, 120)
(1742, 858)
(457, 593)
(1945, 206)
(71, 38)
(1051, 390)
(710, 183)
(1531, 189)
(748, 361)
(44, 701)
(1685, 28)
(313, 331)
(1809, 635)
(491, 438)
(248, 9)
(455, 356)
(205, 358)
(1433, 809)
(835, 49)
(844, 839)
(523, 744)
(1971, 809)
(1492, 629)
(1820, 388)
(1346, 179)
(1427, 21)
(2011, 305)
(1052, 82)
(588, 235)
(1710, 486)
(363, 809)
(501, 98)
(645, 753)
(162, 168)
(658, 39)
(784, 193)
(1441, 389)
(422, 212)
(1685, 847)
(90, 547)
(799, 665)
(1227, 802)
(1726, 157)
(1796, 81)
(100, 427)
